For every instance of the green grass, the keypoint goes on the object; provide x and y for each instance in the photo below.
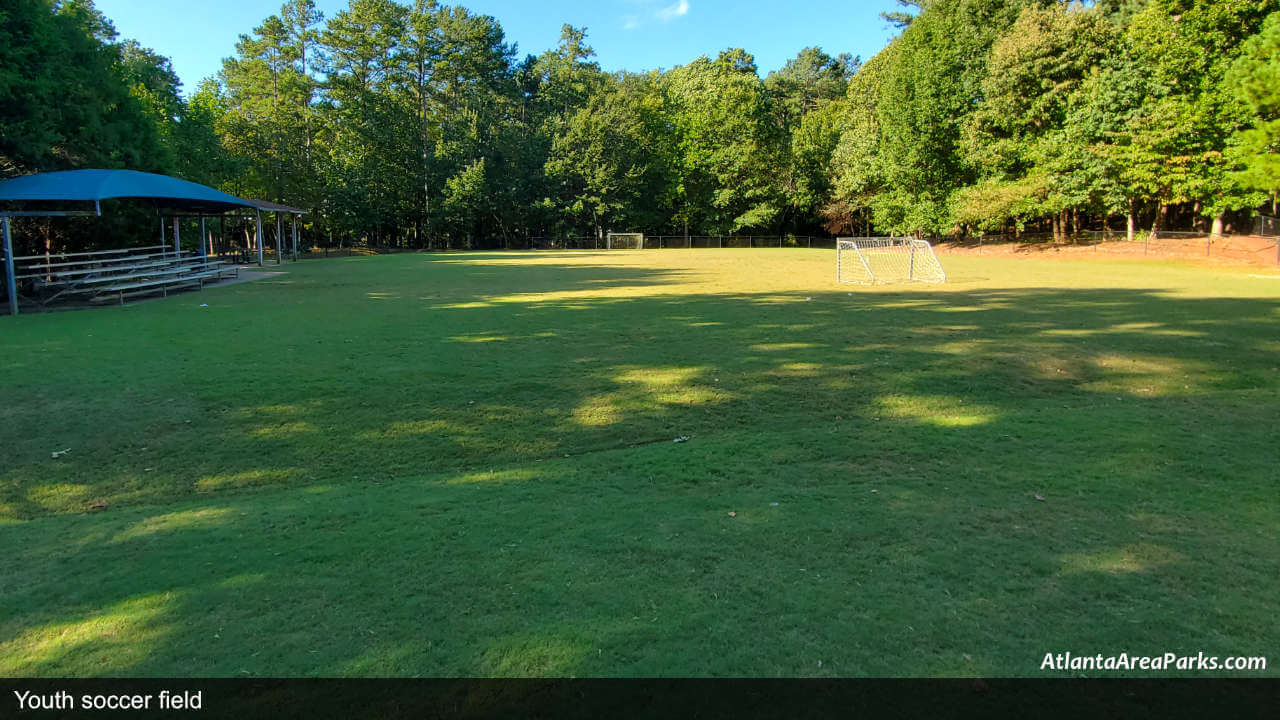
(463, 465)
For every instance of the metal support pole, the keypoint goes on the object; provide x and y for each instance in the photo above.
(258, 215)
(279, 229)
(164, 247)
(177, 242)
(204, 242)
(295, 237)
(10, 280)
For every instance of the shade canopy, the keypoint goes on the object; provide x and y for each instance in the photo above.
(71, 186)
(269, 206)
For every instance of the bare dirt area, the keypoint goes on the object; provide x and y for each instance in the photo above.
(1229, 250)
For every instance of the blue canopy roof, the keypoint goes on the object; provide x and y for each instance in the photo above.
(94, 185)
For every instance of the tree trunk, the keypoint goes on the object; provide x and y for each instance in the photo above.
(48, 250)
(1161, 211)
(1130, 222)
(1216, 230)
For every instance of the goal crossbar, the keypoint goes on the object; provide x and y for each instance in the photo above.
(881, 260)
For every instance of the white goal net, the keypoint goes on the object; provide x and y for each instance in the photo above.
(878, 260)
(625, 241)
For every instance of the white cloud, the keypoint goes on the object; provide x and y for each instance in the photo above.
(630, 22)
(671, 12)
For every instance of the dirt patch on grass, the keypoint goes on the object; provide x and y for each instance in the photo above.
(1202, 250)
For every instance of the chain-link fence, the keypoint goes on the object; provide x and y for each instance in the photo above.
(736, 241)
(1260, 247)
(678, 242)
(1266, 226)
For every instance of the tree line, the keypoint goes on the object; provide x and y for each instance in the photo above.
(418, 124)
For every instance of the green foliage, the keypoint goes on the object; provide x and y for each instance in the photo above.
(65, 98)
(807, 182)
(1015, 140)
(1060, 110)
(807, 82)
(728, 149)
(804, 97)
(923, 96)
(200, 155)
(856, 172)
(613, 158)
(1119, 12)
(413, 123)
(270, 112)
(1173, 146)
(1255, 79)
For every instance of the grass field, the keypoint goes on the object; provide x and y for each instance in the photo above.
(464, 465)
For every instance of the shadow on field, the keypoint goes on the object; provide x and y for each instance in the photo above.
(484, 482)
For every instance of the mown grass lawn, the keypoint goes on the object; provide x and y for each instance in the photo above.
(464, 465)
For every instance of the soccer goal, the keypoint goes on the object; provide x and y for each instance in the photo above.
(870, 261)
(625, 241)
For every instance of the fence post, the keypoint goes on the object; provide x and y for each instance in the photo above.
(11, 282)
(257, 214)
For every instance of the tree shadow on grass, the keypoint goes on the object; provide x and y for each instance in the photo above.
(922, 482)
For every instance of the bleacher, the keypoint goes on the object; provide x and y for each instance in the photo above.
(114, 275)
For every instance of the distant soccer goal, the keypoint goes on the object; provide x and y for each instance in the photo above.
(625, 241)
(879, 260)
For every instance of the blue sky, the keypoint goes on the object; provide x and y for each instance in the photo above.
(626, 34)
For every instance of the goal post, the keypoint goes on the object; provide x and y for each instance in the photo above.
(624, 241)
(880, 260)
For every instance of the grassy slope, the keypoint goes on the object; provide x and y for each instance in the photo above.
(462, 464)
